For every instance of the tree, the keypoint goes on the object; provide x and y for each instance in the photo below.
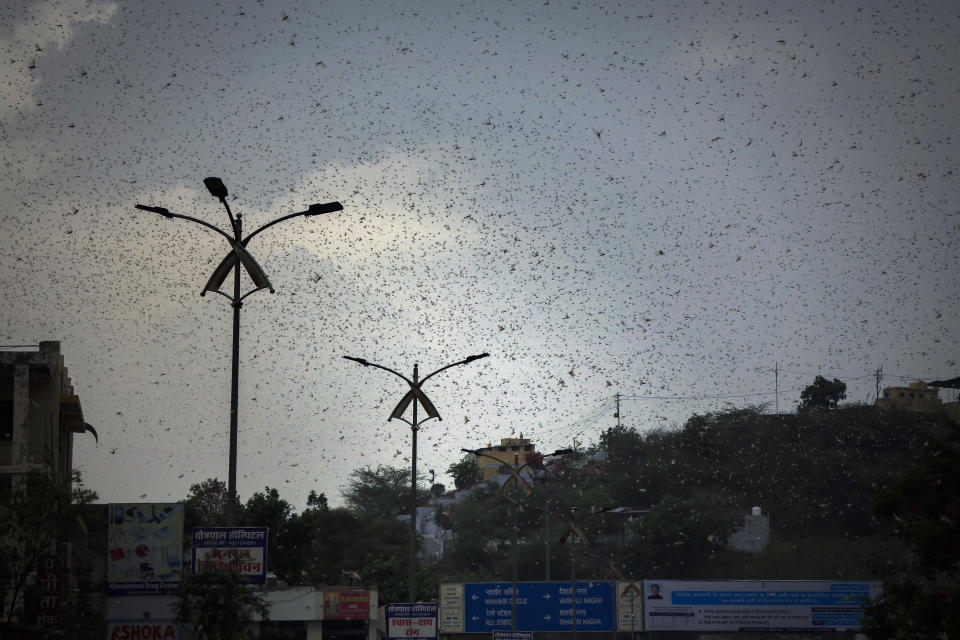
(822, 394)
(206, 505)
(219, 603)
(267, 509)
(41, 514)
(464, 472)
(319, 502)
(678, 536)
(381, 492)
(924, 509)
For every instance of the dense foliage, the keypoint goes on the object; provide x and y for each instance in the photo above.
(923, 509)
(36, 518)
(218, 604)
(660, 503)
(822, 394)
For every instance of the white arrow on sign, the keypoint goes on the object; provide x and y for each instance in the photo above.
(475, 597)
(546, 617)
(475, 618)
(546, 596)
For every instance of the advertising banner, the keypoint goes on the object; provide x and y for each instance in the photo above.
(411, 620)
(143, 630)
(347, 604)
(243, 549)
(755, 605)
(144, 548)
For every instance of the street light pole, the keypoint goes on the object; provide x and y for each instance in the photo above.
(516, 478)
(414, 396)
(237, 257)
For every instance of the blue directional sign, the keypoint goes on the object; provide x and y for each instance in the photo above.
(541, 606)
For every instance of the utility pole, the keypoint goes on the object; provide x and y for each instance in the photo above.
(879, 376)
(776, 385)
(617, 414)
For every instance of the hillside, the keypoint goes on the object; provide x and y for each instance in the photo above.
(814, 474)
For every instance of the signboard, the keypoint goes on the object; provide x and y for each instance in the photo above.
(352, 604)
(243, 549)
(629, 606)
(144, 548)
(451, 608)
(541, 607)
(512, 635)
(411, 620)
(143, 630)
(50, 583)
(754, 605)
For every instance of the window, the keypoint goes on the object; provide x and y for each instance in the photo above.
(901, 394)
(6, 420)
(528, 447)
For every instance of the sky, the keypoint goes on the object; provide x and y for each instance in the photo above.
(663, 200)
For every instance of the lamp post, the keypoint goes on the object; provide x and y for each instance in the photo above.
(521, 483)
(573, 535)
(237, 257)
(414, 396)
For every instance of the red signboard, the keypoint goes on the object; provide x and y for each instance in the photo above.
(143, 630)
(346, 605)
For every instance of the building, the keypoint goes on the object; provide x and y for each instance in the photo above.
(754, 536)
(508, 452)
(917, 396)
(39, 413)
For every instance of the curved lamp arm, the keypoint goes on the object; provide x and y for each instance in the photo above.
(167, 214)
(313, 210)
(380, 366)
(466, 360)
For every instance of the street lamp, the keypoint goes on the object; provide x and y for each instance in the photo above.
(521, 483)
(233, 261)
(415, 393)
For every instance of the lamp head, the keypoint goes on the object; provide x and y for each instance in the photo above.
(326, 207)
(216, 187)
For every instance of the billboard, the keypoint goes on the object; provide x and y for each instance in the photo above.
(243, 549)
(411, 620)
(144, 548)
(755, 605)
(346, 604)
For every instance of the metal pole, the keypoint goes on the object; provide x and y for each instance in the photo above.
(516, 528)
(573, 584)
(546, 531)
(412, 580)
(234, 387)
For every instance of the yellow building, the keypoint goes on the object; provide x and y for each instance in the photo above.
(508, 452)
(917, 396)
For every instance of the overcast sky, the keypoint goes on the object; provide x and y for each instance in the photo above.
(657, 199)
